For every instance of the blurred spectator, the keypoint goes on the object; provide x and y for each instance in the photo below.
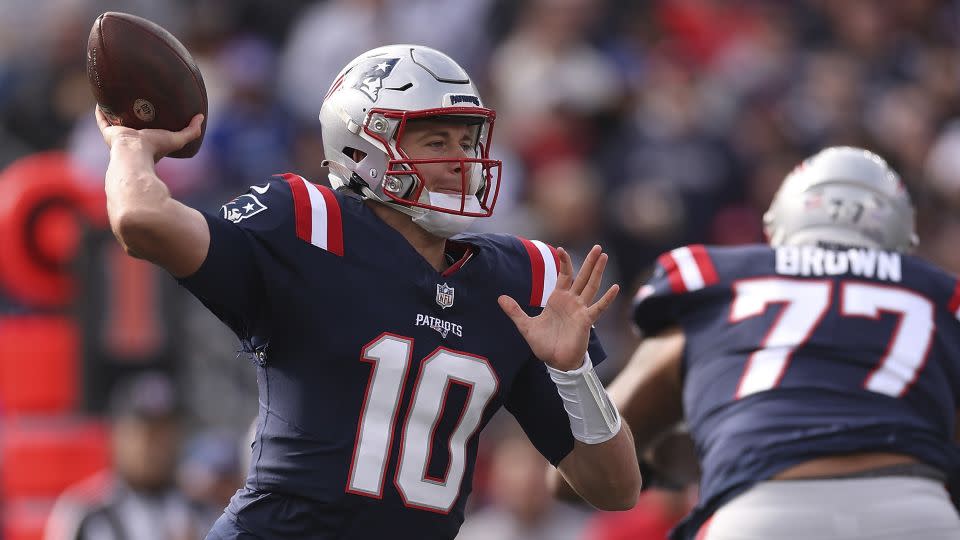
(900, 119)
(188, 178)
(942, 244)
(822, 102)
(548, 62)
(942, 167)
(671, 493)
(43, 86)
(329, 34)
(698, 97)
(512, 213)
(210, 474)
(45, 82)
(683, 114)
(251, 137)
(565, 200)
(521, 507)
(550, 82)
(656, 512)
(138, 499)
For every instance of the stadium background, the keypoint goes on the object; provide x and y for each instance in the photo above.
(643, 125)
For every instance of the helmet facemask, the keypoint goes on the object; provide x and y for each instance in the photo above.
(403, 183)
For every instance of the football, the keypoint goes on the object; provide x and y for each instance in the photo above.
(143, 77)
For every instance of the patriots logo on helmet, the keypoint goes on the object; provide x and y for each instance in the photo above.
(369, 78)
(813, 200)
(242, 207)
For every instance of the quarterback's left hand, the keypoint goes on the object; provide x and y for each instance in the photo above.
(560, 334)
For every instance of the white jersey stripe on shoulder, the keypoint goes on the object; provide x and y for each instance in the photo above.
(318, 208)
(689, 271)
(549, 271)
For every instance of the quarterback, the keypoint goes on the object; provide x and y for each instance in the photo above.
(384, 338)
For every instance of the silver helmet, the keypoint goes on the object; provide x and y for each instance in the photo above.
(842, 196)
(365, 113)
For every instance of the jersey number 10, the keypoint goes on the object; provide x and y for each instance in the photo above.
(805, 303)
(391, 357)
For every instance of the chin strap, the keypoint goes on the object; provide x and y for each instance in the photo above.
(339, 171)
(438, 223)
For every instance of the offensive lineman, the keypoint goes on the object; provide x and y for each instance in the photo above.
(819, 376)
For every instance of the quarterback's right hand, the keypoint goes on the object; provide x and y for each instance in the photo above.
(158, 142)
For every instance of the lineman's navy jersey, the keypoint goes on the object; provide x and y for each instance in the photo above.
(794, 353)
(376, 372)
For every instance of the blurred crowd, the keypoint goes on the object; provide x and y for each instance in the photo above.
(642, 125)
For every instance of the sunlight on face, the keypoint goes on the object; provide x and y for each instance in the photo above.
(439, 139)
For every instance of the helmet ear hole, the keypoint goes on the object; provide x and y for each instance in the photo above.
(354, 154)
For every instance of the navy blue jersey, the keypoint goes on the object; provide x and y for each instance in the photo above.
(376, 372)
(795, 353)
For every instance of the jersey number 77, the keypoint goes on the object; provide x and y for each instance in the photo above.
(806, 302)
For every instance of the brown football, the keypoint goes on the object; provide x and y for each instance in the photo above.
(143, 77)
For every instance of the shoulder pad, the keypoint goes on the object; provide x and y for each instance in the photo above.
(688, 268)
(678, 273)
(288, 202)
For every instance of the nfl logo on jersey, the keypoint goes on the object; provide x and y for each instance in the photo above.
(444, 295)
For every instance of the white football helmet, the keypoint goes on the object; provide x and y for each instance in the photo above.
(368, 107)
(842, 196)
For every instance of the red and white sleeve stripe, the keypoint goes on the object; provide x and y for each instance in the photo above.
(545, 266)
(954, 304)
(317, 212)
(688, 268)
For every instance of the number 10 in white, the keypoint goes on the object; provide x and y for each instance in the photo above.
(390, 356)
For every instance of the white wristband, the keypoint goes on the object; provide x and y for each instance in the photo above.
(593, 418)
